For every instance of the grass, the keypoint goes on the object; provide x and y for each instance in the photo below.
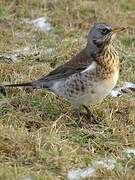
(37, 136)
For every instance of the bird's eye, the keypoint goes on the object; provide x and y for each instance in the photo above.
(105, 31)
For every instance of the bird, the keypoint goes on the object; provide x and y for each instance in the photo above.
(89, 76)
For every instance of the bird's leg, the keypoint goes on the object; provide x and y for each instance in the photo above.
(93, 119)
(2, 90)
(78, 114)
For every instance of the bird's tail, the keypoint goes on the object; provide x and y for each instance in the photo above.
(27, 84)
(37, 84)
(3, 87)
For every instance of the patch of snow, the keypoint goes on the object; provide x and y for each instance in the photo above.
(19, 54)
(74, 174)
(81, 173)
(24, 50)
(50, 50)
(129, 153)
(109, 164)
(28, 178)
(45, 50)
(26, 36)
(127, 87)
(12, 57)
(40, 23)
(116, 93)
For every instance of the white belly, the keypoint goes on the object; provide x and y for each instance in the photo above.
(97, 92)
(92, 95)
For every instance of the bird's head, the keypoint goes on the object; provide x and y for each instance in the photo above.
(102, 34)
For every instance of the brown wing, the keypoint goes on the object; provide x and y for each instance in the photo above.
(77, 64)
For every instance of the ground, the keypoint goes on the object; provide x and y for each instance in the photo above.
(39, 138)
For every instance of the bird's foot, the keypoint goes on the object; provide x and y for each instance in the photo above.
(91, 117)
(78, 115)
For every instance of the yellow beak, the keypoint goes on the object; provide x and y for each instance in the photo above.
(118, 29)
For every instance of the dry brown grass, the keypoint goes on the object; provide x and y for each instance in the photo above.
(37, 137)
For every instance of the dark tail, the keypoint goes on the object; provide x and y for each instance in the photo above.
(3, 90)
(37, 84)
(34, 84)
(28, 84)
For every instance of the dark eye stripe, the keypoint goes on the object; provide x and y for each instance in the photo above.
(105, 31)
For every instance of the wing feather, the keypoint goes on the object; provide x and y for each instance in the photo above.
(77, 64)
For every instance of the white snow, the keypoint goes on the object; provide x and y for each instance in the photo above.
(28, 178)
(80, 174)
(40, 23)
(116, 93)
(109, 164)
(12, 57)
(18, 54)
(24, 50)
(127, 87)
(129, 153)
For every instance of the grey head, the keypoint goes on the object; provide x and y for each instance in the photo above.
(100, 36)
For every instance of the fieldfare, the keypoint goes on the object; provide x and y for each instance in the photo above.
(89, 76)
